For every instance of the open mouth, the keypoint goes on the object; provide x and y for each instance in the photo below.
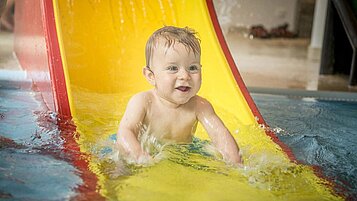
(183, 88)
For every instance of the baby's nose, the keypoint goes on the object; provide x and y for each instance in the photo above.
(183, 74)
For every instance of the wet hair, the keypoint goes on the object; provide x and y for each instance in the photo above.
(171, 35)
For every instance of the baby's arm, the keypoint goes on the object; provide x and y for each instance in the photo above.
(218, 132)
(129, 128)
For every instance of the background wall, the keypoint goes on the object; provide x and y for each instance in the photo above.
(245, 13)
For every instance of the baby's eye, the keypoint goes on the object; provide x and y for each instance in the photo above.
(194, 69)
(172, 69)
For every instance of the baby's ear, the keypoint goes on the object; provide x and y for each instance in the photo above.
(149, 75)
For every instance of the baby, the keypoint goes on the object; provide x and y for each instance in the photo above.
(170, 111)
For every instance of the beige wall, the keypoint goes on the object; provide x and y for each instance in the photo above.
(245, 13)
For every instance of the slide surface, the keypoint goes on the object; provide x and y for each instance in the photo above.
(102, 46)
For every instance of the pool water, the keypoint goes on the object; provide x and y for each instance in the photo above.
(33, 163)
(40, 162)
(320, 133)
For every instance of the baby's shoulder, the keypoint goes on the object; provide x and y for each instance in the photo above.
(141, 98)
(199, 100)
(202, 105)
(143, 95)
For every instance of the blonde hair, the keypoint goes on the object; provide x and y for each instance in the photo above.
(186, 36)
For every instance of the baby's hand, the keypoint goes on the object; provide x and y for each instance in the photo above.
(144, 159)
(238, 162)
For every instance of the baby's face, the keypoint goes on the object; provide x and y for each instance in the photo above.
(177, 73)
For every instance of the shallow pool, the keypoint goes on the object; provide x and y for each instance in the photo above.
(33, 164)
(39, 161)
(320, 133)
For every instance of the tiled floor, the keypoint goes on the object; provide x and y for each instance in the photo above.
(272, 63)
(282, 64)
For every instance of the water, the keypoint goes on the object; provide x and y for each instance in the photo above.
(33, 164)
(40, 159)
(320, 133)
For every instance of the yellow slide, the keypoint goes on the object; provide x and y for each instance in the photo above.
(102, 45)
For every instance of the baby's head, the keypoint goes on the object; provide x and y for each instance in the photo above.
(169, 36)
(173, 57)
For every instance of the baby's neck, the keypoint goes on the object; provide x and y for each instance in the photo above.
(167, 103)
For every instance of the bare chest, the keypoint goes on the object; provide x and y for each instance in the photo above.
(174, 125)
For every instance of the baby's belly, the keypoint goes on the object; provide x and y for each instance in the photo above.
(179, 132)
(172, 137)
